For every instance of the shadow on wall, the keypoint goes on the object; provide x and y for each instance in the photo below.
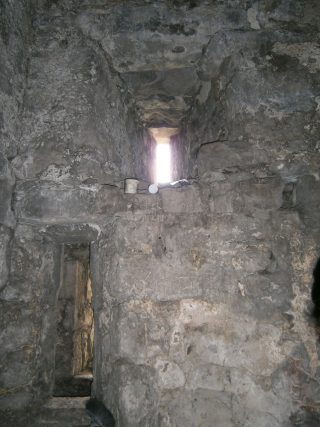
(99, 414)
(315, 292)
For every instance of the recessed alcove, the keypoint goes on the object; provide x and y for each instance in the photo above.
(75, 325)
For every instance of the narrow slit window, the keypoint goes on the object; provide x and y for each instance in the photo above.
(163, 162)
(163, 166)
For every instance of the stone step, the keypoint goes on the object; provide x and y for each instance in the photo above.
(64, 412)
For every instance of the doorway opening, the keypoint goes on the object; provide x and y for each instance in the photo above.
(75, 325)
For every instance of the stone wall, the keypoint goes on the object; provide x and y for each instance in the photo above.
(209, 311)
(14, 33)
(209, 298)
(76, 108)
(27, 330)
(14, 40)
(201, 294)
(75, 133)
(14, 44)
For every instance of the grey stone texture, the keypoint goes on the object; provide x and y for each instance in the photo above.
(14, 43)
(201, 294)
(7, 181)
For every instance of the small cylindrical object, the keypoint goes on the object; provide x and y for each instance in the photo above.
(131, 185)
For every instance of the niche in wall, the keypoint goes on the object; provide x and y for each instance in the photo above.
(75, 325)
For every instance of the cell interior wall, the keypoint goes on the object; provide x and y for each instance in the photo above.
(190, 307)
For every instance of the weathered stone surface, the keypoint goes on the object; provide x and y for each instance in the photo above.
(206, 405)
(14, 38)
(63, 412)
(163, 96)
(181, 200)
(7, 182)
(307, 199)
(74, 116)
(168, 40)
(201, 294)
(55, 202)
(5, 237)
(25, 320)
(217, 156)
(135, 394)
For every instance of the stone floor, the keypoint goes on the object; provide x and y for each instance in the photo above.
(64, 412)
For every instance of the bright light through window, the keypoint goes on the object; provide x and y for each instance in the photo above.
(163, 162)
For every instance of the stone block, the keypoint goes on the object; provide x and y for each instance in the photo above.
(266, 194)
(71, 233)
(218, 156)
(169, 374)
(253, 258)
(142, 330)
(16, 368)
(186, 200)
(18, 328)
(53, 202)
(160, 260)
(253, 398)
(308, 200)
(151, 278)
(269, 294)
(221, 230)
(202, 407)
(224, 338)
(209, 377)
(13, 402)
(33, 260)
(221, 199)
(5, 237)
(7, 182)
(137, 395)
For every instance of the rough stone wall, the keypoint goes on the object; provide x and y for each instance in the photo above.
(210, 289)
(27, 331)
(75, 108)
(14, 40)
(201, 294)
(14, 44)
(14, 34)
(209, 318)
(76, 134)
(258, 153)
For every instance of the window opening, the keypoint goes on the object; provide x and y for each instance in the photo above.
(75, 326)
(163, 162)
(163, 154)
